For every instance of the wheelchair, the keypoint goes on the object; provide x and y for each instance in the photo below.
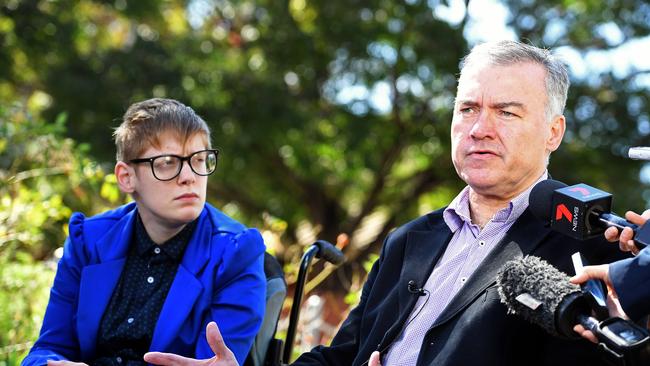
(268, 350)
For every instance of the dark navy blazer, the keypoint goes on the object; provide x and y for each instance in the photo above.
(474, 329)
(631, 280)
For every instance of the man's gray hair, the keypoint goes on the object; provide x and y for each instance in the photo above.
(504, 53)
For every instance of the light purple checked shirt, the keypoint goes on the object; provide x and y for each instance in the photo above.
(466, 250)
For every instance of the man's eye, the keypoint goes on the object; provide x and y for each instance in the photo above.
(508, 114)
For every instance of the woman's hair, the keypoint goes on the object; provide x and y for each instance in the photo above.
(144, 122)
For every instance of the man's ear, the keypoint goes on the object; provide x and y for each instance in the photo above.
(125, 177)
(558, 126)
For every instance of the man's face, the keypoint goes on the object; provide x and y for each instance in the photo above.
(175, 202)
(500, 135)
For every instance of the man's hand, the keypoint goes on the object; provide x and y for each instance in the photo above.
(600, 272)
(624, 238)
(222, 355)
(375, 359)
(64, 363)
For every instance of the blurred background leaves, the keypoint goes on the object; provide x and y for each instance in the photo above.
(332, 116)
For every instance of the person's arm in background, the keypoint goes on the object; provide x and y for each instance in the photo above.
(626, 280)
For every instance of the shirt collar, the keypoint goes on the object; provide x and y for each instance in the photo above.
(174, 247)
(458, 211)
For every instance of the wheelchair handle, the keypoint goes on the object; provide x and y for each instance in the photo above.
(329, 252)
(320, 249)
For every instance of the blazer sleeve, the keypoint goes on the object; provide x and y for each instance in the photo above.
(630, 278)
(58, 337)
(238, 302)
(345, 346)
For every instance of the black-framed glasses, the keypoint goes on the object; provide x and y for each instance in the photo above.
(169, 166)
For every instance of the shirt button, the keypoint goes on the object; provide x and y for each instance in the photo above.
(129, 320)
(463, 279)
(481, 243)
(431, 343)
(118, 359)
(156, 250)
(150, 279)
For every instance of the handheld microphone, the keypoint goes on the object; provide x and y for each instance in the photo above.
(414, 289)
(579, 211)
(639, 153)
(542, 295)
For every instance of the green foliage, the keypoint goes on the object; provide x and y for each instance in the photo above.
(24, 292)
(44, 177)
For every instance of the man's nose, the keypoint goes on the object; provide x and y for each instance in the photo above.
(484, 126)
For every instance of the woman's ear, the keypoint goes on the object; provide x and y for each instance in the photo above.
(125, 177)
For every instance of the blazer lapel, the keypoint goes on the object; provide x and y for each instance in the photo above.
(421, 252)
(522, 238)
(99, 280)
(186, 288)
(180, 300)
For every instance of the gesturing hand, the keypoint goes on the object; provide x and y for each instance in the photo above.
(222, 355)
(64, 363)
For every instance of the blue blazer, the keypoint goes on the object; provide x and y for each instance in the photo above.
(220, 278)
(631, 280)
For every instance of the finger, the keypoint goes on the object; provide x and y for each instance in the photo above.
(64, 363)
(626, 235)
(611, 234)
(217, 344)
(614, 306)
(637, 219)
(588, 272)
(631, 247)
(374, 359)
(646, 214)
(585, 333)
(166, 359)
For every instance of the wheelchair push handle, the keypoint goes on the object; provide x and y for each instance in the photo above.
(329, 252)
(320, 249)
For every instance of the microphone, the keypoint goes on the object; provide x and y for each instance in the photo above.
(639, 153)
(541, 294)
(414, 289)
(579, 211)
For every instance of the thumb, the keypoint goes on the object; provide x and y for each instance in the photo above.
(591, 272)
(374, 359)
(216, 343)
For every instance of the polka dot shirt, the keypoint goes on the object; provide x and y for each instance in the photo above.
(127, 326)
